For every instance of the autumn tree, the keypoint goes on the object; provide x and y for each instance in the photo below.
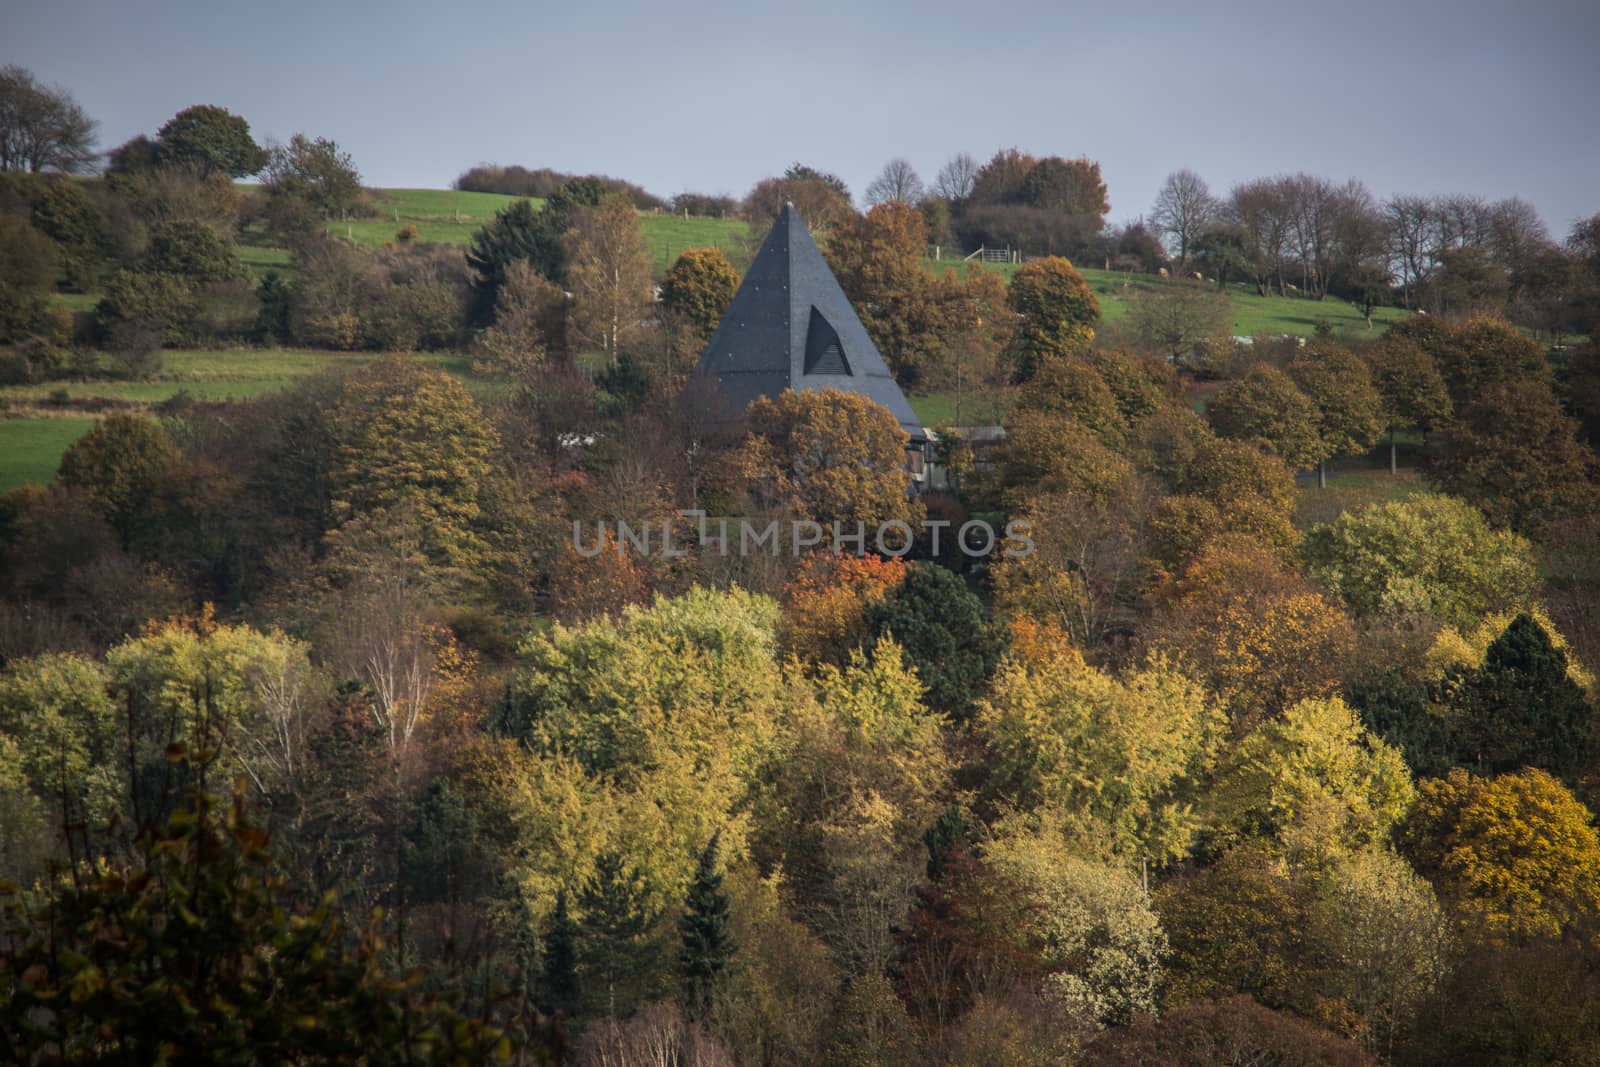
(1513, 452)
(1339, 387)
(699, 286)
(212, 140)
(1254, 632)
(213, 950)
(1266, 409)
(970, 362)
(408, 437)
(1514, 856)
(609, 270)
(1412, 392)
(1430, 556)
(835, 456)
(1183, 208)
(1314, 782)
(1225, 1033)
(878, 260)
(1120, 759)
(822, 199)
(1056, 310)
(1236, 926)
(827, 604)
(1382, 940)
(530, 324)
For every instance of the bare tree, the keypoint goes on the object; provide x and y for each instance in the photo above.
(42, 128)
(1183, 208)
(1263, 208)
(1460, 220)
(955, 178)
(1408, 222)
(897, 181)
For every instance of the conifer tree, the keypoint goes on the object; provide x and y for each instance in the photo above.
(617, 954)
(1522, 709)
(707, 934)
(558, 986)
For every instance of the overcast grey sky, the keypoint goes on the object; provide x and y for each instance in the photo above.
(1495, 99)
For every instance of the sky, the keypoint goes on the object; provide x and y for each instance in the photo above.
(1492, 99)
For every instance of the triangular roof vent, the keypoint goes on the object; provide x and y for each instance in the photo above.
(824, 353)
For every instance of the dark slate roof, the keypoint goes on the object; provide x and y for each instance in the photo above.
(790, 326)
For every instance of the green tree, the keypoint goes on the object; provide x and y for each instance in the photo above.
(1521, 709)
(1266, 409)
(316, 173)
(941, 627)
(1430, 555)
(1408, 382)
(1339, 386)
(707, 935)
(1514, 857)
(699, 286)
(1057, 313)
(119, 462)
(212, 140)
(1177, 319)
(56, 710)
(559, 991)
(199, 951)
(521, 232)
(193, 252)
(617, 947)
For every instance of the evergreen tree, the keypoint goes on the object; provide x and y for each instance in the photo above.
(943, 631)
(618, 955)
(558, 984)
(1522, 709)
(707, 934)
(519, 232)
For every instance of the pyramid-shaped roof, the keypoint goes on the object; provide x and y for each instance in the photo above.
(790, 326)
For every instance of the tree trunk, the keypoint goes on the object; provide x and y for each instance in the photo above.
(1392, 468)
(1322, 474)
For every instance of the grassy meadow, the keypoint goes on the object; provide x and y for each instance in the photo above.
(32, 447)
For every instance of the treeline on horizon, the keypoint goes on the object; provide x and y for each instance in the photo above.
(1299, 233)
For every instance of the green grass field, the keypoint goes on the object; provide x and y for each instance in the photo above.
(209, 375)
(1253, 314)
(672, 235)
(32, 447)
(47, 417)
